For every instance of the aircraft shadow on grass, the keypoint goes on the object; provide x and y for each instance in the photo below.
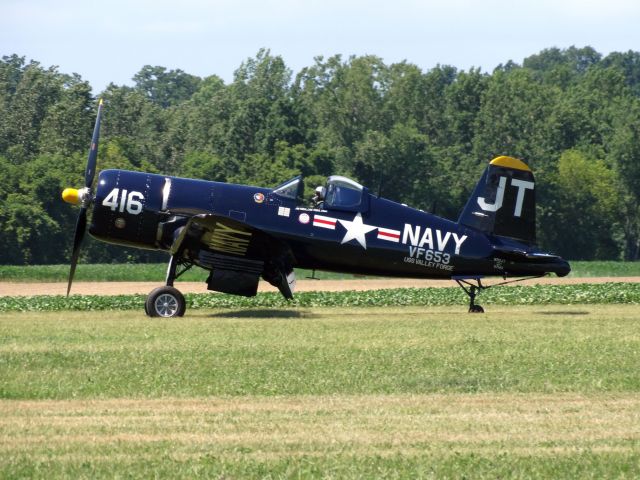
(264, 313)
(563, 312)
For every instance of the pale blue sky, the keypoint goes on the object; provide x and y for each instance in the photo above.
(111, 40)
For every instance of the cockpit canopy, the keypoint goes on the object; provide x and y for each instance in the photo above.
(292, 189)
(340, 193)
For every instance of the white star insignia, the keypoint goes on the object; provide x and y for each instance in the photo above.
(356, 230)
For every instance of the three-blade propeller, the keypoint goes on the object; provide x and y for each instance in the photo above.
(83, 197)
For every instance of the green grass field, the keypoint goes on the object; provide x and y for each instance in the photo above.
(154, 272)
(413, 392)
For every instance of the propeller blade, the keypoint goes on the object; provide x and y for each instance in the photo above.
(90, 171)
(81, 226)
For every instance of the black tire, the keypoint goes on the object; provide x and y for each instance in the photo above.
(166, 302)
(476, 309)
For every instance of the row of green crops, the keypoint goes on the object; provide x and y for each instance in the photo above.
(605, 293)
(150, 272)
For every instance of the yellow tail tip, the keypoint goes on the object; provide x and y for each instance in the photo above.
(71, 195)
(510, 162)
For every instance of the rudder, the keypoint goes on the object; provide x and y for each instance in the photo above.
(503, 202)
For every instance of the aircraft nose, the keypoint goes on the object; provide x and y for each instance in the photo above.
(76, 196)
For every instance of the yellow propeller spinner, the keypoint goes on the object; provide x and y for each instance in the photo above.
(71, 195)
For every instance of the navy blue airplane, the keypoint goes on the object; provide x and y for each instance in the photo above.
(243, 233)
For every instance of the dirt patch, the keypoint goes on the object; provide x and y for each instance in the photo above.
(303, 285)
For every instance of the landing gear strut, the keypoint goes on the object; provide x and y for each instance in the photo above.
(167, 301)
(472, 290)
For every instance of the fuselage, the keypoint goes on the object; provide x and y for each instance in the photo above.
(376, 237)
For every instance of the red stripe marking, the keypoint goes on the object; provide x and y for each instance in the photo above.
(326, 222)
(392, 235)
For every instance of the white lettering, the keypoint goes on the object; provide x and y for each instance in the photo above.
(487, 207)
(123, 200)
(119, 200)
(459, 241)
(134, 206)
(111, 200)
(521, 185)
(410, 235)
(442, 242)
(427, 237)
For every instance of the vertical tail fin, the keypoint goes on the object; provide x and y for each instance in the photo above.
(503, 203)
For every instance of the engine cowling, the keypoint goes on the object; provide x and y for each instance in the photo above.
(128, 208)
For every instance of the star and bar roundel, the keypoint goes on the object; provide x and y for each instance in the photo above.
(356, 229)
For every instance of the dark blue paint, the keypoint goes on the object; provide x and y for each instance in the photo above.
(306, 246)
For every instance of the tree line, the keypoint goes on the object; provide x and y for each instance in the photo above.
(418, 137)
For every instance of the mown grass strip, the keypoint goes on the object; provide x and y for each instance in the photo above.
(605, 293)
(368, 436)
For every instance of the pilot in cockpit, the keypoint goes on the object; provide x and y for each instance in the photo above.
(318, 197)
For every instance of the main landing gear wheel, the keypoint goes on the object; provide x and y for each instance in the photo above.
(165, 302)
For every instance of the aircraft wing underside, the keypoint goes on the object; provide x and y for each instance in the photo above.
(236, 254)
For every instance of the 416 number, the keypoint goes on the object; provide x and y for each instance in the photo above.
(121, 200)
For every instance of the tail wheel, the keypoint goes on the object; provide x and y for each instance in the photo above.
(165, 302)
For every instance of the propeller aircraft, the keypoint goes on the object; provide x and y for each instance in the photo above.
(242, 233)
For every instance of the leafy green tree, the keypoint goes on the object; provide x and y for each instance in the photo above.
(253, 112)
(562, 67)
(26, 229)
(11, 70)
(138, 126)
(345, 98)
(66, 127)
(164, 87)
(629, 64)
(583, 213)
(464, 99)
(203, 165)
(29, 91)
(583, 114)
(398, 165)
(513, 118)
(406, 98)
(624, 155)
(200, 114)
(436, 124)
